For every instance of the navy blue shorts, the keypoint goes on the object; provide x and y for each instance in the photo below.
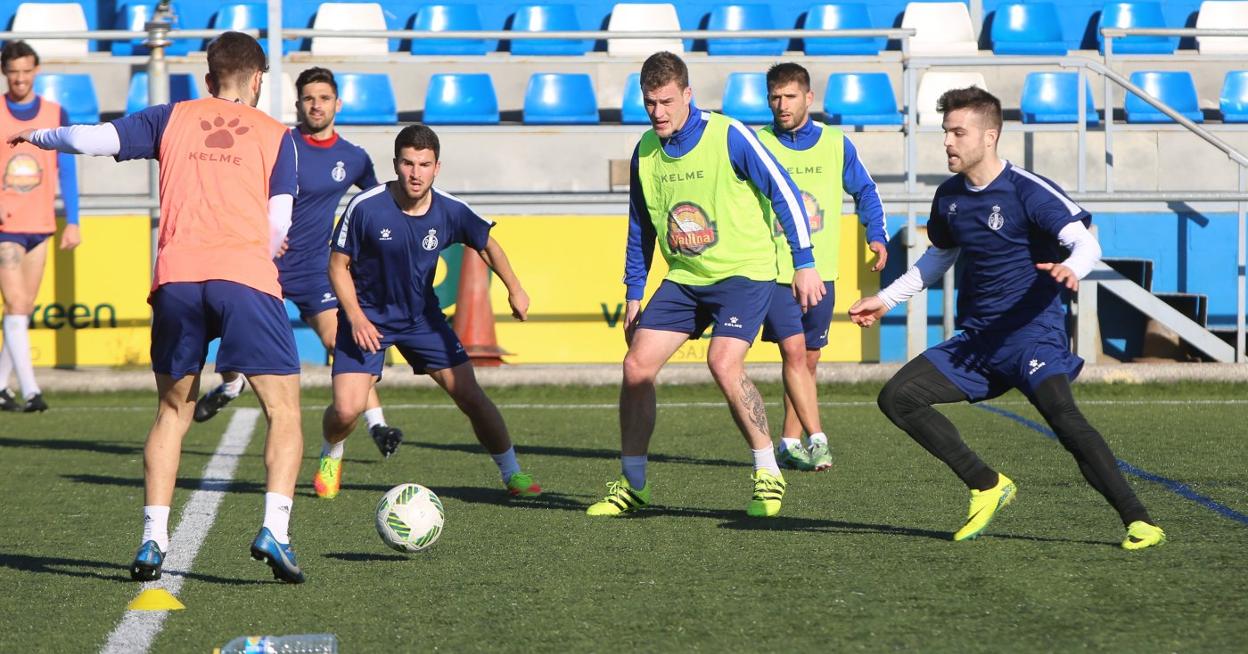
(311, 294)
(986, 364)
(255, 334)
(28, 241)
(736, 306)
(785, 317)
(429, 346)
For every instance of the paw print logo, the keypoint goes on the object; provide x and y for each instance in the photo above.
(220, 132)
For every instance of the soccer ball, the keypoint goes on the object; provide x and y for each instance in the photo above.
(409, 518)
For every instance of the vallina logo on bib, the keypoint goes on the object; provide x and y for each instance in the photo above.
(814, 212)
(689, 230)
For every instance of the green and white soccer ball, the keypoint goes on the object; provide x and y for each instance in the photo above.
(410, 517)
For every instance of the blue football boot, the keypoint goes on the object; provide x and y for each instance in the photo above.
(147, 562)
(279, 557)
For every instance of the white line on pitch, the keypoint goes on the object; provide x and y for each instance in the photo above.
(137, 629)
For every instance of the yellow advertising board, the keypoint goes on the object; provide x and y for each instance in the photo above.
(92, 307)
(572, 267)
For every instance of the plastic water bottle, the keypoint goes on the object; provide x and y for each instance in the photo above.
(297, 644)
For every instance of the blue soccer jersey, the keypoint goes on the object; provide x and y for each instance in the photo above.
(1003, 230)
(394, 255)
(327, 170)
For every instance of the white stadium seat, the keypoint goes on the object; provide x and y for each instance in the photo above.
(942, 28)
(934, 84)
(53, 17)
(265, 104)
(629, 17)
(1227, 16)
(349, 16)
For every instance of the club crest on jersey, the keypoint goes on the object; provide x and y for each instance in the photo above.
(22, 173)
(339, 172)
(813, 211)
(953, 208)
(385, 234)
(689, 230)
(430, 241)
(995, 220)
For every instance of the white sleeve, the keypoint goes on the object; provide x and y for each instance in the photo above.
(97, 140)
(1085, 251)
(280, 207)
(926, 271)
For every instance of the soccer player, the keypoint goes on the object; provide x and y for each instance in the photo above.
(824, 165)
(328, 166)
(385, 254)
(227, 181)
(1009, 226)
(697, 181)
(27, 217)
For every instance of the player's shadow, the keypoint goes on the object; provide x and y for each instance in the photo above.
(582, 453)
(189, 483)
(103, 570)
(83, 445)
(365, 557)
(494, 496)
(818, 525)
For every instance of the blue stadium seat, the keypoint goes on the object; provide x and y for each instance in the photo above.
(847, 16)
(745, 98)
(1139, 13)
(242, 16)
(461, 99)
(1175, 88)
(181, 87)
(743, 17)
(560, 99)
(632, 108)
(861, 99)
(75, 92)
(1027, 29)
(133, 16)
(1234, 98)
(1054, 98)
(448, 18)
(367, 99)
(547, 18)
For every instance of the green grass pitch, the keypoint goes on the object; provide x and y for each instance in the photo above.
(859, 559)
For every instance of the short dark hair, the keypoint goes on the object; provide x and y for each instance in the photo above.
(315, 75)
(976, 99)
(235, 54)
(419, 137)
(663, 68)
(787, 73)
(16, 50)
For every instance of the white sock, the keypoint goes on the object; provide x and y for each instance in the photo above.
(375, 417)
(6, 366)
(819, 437)
(332, 450)
(634, 469)
(17, 342)
(277, 516)
(232, 388)
(156, 526)
(506, 462)
(765, 459)
(787, 444)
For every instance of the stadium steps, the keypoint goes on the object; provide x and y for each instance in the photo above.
(1175, 315)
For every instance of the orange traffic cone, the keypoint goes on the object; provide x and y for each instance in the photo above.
(474, 316)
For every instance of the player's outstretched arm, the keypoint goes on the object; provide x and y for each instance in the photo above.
(98, 140)
(362, 330)
(497, 260)
(926, 271)
(866, 311)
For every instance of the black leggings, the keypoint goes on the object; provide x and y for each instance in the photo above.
(907, 400)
